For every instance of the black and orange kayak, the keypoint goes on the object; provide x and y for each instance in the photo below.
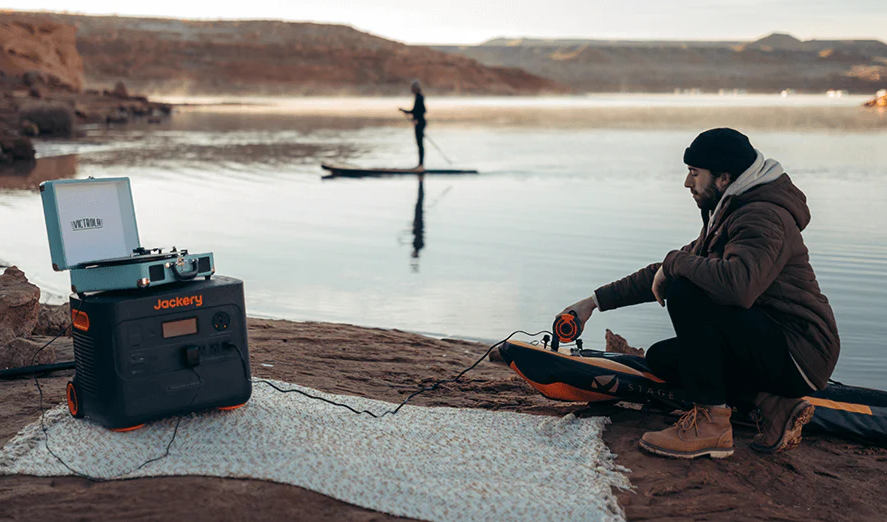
(594, 376)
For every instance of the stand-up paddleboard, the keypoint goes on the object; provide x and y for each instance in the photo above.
(342, 170)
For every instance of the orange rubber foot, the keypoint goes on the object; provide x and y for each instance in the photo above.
(131, 428)
(73, 401)
(229, 408)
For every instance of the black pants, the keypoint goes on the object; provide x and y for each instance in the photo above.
(722, 352)
(420, 141)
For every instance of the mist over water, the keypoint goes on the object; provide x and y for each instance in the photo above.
(570, 196)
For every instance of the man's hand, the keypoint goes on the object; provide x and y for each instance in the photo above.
(583, 310)
(660, 284)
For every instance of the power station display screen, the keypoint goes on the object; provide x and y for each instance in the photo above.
(180, 328)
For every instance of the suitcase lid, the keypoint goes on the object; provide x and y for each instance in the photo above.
(89, 220)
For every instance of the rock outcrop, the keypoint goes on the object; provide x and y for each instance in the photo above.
(52, 320)
(41, 79)
(880, 100)
(40, 51)
(21, 352)
(19, 305)
(16, 149)
(616, 343)
(22, 317)
(48, 119)
(120, 90)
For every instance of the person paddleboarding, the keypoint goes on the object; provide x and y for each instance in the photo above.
(418, 116)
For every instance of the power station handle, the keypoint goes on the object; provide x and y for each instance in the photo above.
(187, 276)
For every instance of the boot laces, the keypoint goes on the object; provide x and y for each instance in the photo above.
(758, 416)
(690, 419)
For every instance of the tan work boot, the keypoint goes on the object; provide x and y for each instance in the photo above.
(701, 431)
(783, 419)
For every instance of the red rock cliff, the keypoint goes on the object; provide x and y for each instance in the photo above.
(33, 43)
(276, 58)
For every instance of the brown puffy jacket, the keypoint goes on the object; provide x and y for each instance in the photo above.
(753, 256)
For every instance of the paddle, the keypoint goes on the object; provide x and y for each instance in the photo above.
(427, 137)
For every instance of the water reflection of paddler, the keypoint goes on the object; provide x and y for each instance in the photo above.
(750, 321)
(418, 117)
(419, 223)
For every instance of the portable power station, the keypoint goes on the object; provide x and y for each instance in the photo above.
(150, 353)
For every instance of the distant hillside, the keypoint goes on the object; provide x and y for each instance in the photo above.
(770, 64)
(275, 58)
(562, 42)
(36, 44)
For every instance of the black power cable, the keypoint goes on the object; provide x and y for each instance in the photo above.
(112, 477)
(405, 401)
(246, 374)
(43, 415)
(12, 373)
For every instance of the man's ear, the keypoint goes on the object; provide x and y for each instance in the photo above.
(722, 181)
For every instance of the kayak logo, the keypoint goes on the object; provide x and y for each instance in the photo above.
(608, 383)
(652, 392)
(178, 302)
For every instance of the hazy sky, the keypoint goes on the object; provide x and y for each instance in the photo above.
(473, 21)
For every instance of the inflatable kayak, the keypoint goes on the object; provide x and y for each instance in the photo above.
(595, 376)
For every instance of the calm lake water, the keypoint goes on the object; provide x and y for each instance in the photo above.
(562, 205)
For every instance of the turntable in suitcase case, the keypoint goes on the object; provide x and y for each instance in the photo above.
(92, 232)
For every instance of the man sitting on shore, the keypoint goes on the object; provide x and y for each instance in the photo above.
(748, 314)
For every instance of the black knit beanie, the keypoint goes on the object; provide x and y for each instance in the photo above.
(721, 150)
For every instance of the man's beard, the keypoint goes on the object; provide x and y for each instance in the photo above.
(709, 198)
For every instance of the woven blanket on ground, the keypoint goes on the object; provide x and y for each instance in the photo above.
(426, 463)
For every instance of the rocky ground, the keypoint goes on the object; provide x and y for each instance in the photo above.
(824, 479)
(57, 112)
(22, 318)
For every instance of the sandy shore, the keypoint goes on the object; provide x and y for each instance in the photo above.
(825, 479)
